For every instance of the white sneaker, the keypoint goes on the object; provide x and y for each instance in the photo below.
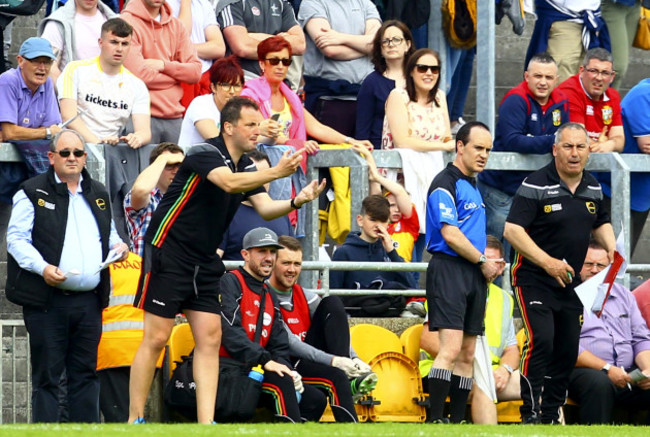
(416, 307)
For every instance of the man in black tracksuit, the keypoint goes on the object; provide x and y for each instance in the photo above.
(554, 213)
(242, 293)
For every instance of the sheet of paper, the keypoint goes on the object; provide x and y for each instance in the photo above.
(112, 256)
(588, 290)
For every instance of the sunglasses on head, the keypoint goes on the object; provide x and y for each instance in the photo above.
(65, 153)
(423, 68)
(275, 61)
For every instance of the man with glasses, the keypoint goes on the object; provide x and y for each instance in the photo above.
(595, 105)
(99, 96)
(29, 111)
(247, 23)
(613, 366)
(554, 213)
(148, 189)
(60, 232)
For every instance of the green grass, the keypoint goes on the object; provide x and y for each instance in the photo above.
(317, 430)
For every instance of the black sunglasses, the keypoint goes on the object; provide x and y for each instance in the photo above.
(65, 153)
(275, 61)
(423, 68)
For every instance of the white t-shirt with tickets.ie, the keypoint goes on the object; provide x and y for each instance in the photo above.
(108, 101)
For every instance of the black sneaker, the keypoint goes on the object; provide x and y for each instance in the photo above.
(362, 385)
(531, 420)
(443, 421)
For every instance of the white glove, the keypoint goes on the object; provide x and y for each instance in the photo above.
(297, 381)
(347, 365)
(361, 366)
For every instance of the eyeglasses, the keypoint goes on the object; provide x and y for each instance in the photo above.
(275, 61)
(594, 72)
(423, 68)
(66, 153)
(396, 40)
(172, 166)
(230, 86)
(39, 61)
(590, 265)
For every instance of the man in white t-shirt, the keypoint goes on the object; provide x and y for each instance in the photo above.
(72, 30)
(102, 94)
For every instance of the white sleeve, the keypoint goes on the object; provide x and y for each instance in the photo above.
(141, 103)
(52, 33)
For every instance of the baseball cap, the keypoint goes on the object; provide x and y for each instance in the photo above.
(260, 237)
(34, 47)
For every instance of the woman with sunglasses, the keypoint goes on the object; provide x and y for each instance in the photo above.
(392, 46)
(417, 117)
(294, 122)
(203, 117)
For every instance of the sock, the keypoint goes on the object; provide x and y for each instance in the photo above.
(459, 389)
(439, 380)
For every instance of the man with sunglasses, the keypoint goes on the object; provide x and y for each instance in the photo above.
(60, 232)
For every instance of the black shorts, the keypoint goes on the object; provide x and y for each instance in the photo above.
(169, 284)
(456, 294)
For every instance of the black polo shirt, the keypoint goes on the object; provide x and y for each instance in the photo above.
(558, 221)
(194, 213)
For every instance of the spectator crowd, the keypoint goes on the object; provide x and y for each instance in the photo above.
(210, 111)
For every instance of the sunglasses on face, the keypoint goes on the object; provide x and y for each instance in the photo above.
(275, 61)
(65, 153)
(423, 68)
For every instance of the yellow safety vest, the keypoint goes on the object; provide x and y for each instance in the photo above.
(122, 323)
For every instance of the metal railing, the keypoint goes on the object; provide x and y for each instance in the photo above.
(620, 167)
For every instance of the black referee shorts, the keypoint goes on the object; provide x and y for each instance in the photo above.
(169, 284)
(456, 294)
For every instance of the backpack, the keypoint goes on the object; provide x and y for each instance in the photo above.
(459, 22)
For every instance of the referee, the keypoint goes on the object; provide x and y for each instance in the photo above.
(458, 272)
(554, 213)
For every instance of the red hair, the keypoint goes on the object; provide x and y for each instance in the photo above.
(226, 70)
(272, 44)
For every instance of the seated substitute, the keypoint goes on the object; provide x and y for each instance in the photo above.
(371, 244)
(319, 337)
(503, 349)
(611, 348)
(243, 292)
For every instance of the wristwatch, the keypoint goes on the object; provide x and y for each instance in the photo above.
(293, 203)
(508, 368)
(48, 133)
(606, 367)
(482, 259)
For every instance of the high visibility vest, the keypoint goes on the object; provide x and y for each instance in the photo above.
(122, 323)
(498, 316)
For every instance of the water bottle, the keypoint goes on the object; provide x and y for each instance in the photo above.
(257, 373)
